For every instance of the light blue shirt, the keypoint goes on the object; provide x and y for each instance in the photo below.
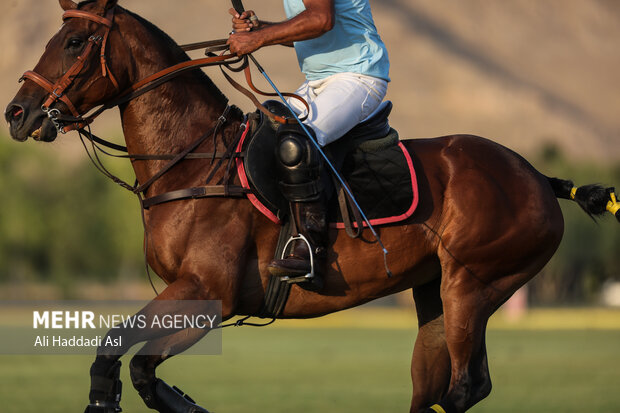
(353, 45)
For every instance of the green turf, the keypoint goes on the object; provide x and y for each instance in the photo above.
(339, 370)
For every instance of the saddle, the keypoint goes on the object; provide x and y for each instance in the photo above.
(370, 158)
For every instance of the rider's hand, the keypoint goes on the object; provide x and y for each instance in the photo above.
(245, 21)
(242, 43)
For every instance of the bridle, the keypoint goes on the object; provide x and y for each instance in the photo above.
(80, 122)
(57, 90)
(98, 41)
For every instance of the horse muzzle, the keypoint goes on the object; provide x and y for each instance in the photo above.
(24, 123)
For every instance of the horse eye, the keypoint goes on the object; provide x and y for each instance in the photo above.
(75, 43)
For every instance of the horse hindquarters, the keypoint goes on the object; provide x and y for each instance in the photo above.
(499, 225)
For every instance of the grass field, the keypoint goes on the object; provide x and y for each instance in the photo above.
(339, 365)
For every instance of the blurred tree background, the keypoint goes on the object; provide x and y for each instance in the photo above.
(588, 255)
(518, 72)
(62, 222)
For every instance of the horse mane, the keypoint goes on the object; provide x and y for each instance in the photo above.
(169, 44)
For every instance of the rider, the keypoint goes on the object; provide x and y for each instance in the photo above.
(347, 71)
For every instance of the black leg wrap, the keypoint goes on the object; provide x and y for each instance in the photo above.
(165, 399)
(105, 389)
(103, 407)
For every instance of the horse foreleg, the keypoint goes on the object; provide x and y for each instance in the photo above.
(155, 392)
(105, 389)
(105, 385)
(430, 365)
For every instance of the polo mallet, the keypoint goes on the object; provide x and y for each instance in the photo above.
(238, 6)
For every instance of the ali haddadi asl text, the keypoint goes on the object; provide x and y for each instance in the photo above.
(75, 341)
(91, 323)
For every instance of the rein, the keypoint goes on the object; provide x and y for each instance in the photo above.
(65, 123)
(57, 91)
(80, 122)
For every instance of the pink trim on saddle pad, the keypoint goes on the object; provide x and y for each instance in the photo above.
(340, 225)
(245, 184)
(414, 198)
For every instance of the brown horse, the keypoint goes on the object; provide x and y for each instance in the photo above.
(487, 221)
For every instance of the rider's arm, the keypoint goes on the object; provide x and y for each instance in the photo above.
(317, 19)
(248, 20)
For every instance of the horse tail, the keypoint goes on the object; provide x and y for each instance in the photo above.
(594, 199)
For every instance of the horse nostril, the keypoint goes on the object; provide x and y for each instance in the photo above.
(14, 113)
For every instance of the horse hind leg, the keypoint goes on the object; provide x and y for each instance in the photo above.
(464, 323)
(481, 378)
(430, 364)
(155, 393)
(467, 304)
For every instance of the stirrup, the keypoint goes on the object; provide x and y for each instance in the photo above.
(301, 278)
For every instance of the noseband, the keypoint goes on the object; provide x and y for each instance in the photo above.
(57, 90)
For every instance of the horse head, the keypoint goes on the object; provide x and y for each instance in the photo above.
(73, 75)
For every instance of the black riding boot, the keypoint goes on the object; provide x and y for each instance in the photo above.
(300, 182)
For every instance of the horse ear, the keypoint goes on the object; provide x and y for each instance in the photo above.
(107, 4)
(67, 4)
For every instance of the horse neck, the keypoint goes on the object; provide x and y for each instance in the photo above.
(169, 118)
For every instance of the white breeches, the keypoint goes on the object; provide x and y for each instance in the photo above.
(338, 103)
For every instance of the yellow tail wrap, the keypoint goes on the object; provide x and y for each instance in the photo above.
(573, 192)
(438, 408)
(613, 206)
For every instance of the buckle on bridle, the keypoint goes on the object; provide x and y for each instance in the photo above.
(58, 96)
